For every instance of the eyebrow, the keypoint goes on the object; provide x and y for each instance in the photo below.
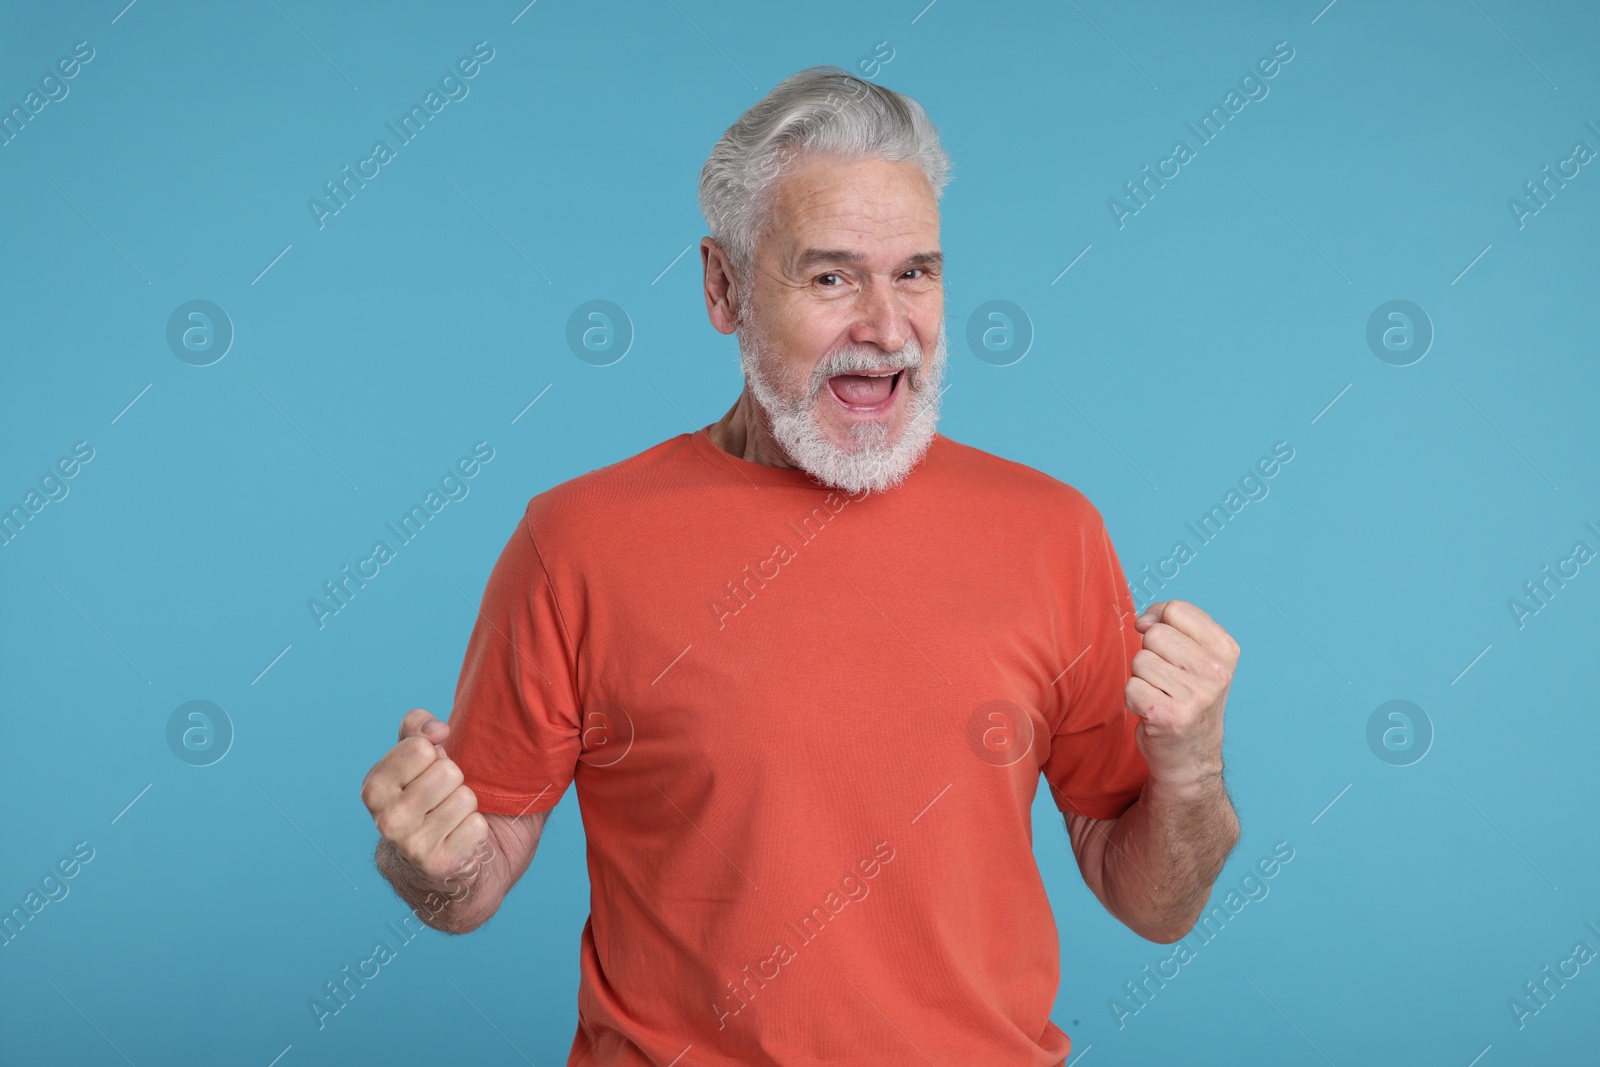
(815, 257)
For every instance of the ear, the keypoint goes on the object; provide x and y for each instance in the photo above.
(722, 295)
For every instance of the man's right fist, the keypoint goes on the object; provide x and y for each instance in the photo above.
(420, 804)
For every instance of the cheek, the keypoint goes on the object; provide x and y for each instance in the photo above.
(800, 354)
(785, 367)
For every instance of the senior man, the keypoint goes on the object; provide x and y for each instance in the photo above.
(806, 666)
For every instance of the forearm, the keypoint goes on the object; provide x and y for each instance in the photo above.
(1163, 855)
(459, 902)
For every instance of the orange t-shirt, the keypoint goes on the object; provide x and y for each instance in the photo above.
(806, 729)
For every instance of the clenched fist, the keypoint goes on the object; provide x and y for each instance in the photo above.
(1178, 689)
(420, 804)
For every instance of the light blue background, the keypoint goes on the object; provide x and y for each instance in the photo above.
(1228, 314)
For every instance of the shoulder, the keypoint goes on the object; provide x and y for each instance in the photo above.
(590, 505)
(985, 477)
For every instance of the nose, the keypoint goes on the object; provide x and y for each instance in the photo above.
(880, 319)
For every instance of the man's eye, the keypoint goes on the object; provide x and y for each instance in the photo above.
(830, 274)
(916, 270)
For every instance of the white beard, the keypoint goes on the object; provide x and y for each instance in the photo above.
(870, 465)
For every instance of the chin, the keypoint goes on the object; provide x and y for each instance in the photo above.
(865, 435)
(865, 456)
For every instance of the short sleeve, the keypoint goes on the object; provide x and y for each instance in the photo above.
(1095, 767)
(514, 728)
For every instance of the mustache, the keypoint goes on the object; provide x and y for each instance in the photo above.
(908, 357)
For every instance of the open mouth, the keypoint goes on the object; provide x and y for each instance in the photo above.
(867, 392)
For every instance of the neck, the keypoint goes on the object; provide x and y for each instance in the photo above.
(745, 432)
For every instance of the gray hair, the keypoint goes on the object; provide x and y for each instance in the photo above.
(822, 109)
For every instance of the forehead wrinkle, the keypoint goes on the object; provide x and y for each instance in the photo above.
(856, 228)
(822, 199)
(859, 205)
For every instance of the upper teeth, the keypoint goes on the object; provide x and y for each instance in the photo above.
(885, 374)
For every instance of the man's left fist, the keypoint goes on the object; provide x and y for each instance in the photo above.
(1179, 685)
